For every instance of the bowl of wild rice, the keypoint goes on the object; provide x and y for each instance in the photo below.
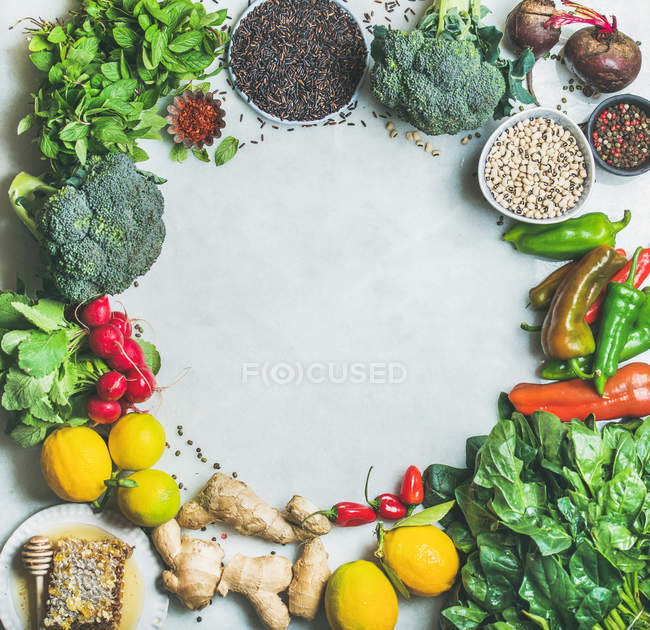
(298, 62)
(537, 167)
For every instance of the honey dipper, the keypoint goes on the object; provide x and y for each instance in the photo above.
(37, 557)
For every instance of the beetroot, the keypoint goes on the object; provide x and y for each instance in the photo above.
(526, 26)
(600, 55)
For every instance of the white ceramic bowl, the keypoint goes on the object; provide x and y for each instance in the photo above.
(281, 121)
(583, 145)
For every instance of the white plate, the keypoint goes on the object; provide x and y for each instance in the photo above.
(155, 602)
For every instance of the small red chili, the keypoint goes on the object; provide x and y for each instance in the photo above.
(412, 491)
(348, 514)
(387, 505)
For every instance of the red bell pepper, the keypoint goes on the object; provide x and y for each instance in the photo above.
(642, 272)
(627, 393)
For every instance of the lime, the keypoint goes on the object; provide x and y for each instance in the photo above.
(360, 597)
(136, 441)
(153, 502)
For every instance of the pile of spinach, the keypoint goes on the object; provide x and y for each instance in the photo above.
(46, 368)
(553, 522)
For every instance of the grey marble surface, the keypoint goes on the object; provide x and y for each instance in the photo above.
(315, 247)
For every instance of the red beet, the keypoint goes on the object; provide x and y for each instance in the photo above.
(600, 55)
(526, 26)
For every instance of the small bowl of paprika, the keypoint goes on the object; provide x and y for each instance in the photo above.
(618, 131)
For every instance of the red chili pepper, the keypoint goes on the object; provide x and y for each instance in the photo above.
(387, 505)
(348, 514)
(627, 394)
(412, 491)
(642, 272)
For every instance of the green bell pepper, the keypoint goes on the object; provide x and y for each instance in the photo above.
(570, 239)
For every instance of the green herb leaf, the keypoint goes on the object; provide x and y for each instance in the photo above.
(81, 149)
(121, 89)
(201, 154)
(25, 123)
(124, 36)
(178, 152)
(226, 150)
(186, 41)
(154, 9)
(151, 355)
(158, 47)
(428, 516)
(73, 131)
(111, 70)
(38, 43)
(43, 60)
(49, 148)
(57, 35)
(43, 410)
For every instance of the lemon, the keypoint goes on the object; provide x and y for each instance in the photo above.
(136, 441)
(360, 597)
(75, 462)
(155, 501)
(423, 557)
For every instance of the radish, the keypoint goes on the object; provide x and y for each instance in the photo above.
(121, 322)
(126, 356)
(103, 411)
(140, 384)
(111, 386)
(96, 313)
(104, 340)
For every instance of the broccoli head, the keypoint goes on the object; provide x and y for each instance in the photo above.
(437, 85)
(99, 231)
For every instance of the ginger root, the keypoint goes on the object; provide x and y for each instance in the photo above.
(194, 565)
(260, 579)
(310, 575)
(299, 508)
(233, 502)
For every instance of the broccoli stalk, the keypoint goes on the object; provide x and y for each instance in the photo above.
(99, 231)
(446, 75)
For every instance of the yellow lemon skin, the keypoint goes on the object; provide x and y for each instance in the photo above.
(136, 441)
(75, 463)
(153, 502)
(360, 597)
(423, 557)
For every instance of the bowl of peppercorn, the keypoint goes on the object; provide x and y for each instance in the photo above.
(619, 134)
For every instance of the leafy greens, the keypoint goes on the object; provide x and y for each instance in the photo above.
(553, 521)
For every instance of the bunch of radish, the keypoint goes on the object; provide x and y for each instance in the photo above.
(130, 381)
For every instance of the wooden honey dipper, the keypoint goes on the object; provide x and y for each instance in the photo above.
(37, 557)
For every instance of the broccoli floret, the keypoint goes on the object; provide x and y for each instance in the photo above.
(97, 234)
(438, 85)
